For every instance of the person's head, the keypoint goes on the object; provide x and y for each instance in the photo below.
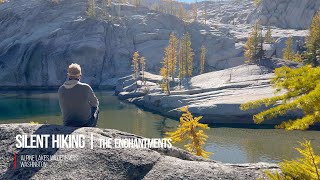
(74, 71)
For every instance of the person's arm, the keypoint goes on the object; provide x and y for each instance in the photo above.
(93, 100)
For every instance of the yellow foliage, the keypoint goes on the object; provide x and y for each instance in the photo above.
(195, 11)
(190, 129)
(252, 46)
(297, 58)
(256, 2)
(268, 36)
(202, 59)
(302, 92)
(306, 167)
(135, 61)
(186, 57)
(169, 63)
(288, 53)
(91, 9)
(33, 122)
(313, 39)
(2, 1)
(143, 66)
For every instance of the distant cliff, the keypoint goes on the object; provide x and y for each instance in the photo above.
(295, 14)
(40, 38)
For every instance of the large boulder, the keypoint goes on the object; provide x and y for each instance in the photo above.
(112, 163)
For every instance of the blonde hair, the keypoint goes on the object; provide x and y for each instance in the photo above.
(74, 70)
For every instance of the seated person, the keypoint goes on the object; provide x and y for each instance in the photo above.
(78, 103)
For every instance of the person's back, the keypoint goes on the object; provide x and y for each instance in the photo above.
(77, 100)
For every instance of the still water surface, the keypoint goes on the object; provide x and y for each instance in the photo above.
(229, 144)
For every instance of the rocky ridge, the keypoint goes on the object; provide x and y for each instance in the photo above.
(99, 163)
(40, 38)
(216, 96)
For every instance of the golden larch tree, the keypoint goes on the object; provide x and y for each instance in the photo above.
(252, 45)
(91, 9)
(288, 53)
(301, 89)
(186, 58)
(202, 59)
(195, 11)
(268, 36)
(143, 66)
(191, 130)
(306, 167)
(169, 63)
(313, 39)
(135, 62)
(205, 12)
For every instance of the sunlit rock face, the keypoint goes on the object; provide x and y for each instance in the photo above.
(296, 14)
(39, 39)
(112, 163)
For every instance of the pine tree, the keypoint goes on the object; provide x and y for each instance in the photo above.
(190, 129)
(195, 11)
(104, 8)
(186, 56)
(202, 59)
(169, 63)
(313, 39)
(302, 93)
(205, 12)
(288, 53)
(252, 46)
(268, 36)
(306, 167)
(135, 61)
(297, 58)
(181, 12)
(143, 66)
(91, 9)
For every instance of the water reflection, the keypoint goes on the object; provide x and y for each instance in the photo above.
(232, 145)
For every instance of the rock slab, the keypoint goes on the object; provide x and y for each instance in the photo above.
(148, 164)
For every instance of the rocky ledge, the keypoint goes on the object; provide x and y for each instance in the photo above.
(114, 163)
(216, 96)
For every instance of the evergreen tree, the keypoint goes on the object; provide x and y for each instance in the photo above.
(302, 93)
(297, 58)
(252, 45)
(190, 129)
(205, 12)
(306, 167)
(181, 12)
(135, 61)
(91, 9)
(182, 71)
(186, 56)
(195, 11)
(143, 66)
(268, 36)
(313, 39)
(288, 53)
(104, 8)
(169, 63)
(202, 59)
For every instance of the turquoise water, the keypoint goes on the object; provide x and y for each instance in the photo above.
(228, 144)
